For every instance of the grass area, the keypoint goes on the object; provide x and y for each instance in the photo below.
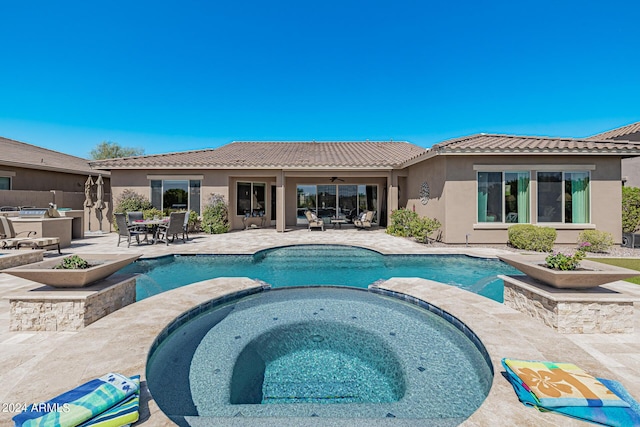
(632, 264)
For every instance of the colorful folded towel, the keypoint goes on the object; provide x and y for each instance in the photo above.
(615, 416)
(80, 404)
(554, 384)
(124, 413)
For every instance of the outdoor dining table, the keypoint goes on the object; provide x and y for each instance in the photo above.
(154, 224)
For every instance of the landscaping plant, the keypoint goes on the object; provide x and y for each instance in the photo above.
(565, 262)
(400, 222)
(595, 241)
(531, 237)
(130, 201)
(421, 228)
(215, 216)
(630, 209)
(74, 262)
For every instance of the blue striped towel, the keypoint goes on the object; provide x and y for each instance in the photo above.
(80, 404)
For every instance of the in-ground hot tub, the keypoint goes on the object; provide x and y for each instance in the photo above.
(317, 352)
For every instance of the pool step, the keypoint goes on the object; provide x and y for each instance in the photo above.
(310, 391)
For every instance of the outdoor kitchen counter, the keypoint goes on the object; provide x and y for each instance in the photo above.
(45, 227)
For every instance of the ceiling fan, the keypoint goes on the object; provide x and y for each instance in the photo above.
(335, 178)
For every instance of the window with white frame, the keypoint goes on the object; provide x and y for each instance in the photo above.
(564, 197)
(176, 194)
(503, 197)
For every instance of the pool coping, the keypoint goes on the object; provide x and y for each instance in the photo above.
(503, 331)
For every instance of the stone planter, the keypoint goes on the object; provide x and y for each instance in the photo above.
(590, 275)
(102, 265)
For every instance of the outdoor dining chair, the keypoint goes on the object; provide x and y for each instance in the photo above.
(129, 231)
(169, 232)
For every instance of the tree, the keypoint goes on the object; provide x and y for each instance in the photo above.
(112, 150)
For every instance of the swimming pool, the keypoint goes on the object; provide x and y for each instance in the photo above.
(316, 352)
(303, 265)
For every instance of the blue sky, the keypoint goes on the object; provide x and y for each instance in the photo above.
(172, 76)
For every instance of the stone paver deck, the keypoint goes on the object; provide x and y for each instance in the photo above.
(37, 365)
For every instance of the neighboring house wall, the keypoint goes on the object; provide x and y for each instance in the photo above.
(631, 172)
(453, 182)
(45, 180)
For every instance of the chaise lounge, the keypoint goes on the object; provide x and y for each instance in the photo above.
(314, 221)
(364, 221)
(9, 238)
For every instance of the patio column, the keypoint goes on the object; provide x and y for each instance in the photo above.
(392, 196)
(280, 212)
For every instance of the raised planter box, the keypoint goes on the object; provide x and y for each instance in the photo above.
(590, 275)
(42, 308)
(103, 265)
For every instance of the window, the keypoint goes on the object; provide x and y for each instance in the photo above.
(563, 197)
(251, 198)
(174, 195)
(503, 197)
(5, 183)
(328, 201)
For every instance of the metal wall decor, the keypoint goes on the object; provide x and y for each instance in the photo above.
(424, 193)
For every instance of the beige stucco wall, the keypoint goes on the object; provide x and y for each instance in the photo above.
(44, 180)
(453, 198)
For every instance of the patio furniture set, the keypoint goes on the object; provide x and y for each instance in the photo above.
(167, 229)
(363, 221)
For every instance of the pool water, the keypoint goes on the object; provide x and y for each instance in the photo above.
(316, 352)
(304, 265)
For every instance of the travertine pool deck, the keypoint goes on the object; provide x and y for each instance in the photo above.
(35, 366)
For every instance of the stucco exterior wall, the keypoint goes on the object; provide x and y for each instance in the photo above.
(456, 205)
(44, 180)
(433, 172)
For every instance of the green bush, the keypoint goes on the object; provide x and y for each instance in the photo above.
(74, 262)
(130, 201)
(532, 238)
(193, 221)
(152, 213)
(421, 228)
(595, 241)
(400, 222)
(630, 209)
(215, 216)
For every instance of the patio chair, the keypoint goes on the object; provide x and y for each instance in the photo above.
(364, 221)
(174, 227)
(136, 216)
(9, 239)
(314, 221)
(185, 226)
(129, 231)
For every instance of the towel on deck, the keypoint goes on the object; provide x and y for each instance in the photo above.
(80, 404)
(616, 416)
(554, 384)
(124, 413)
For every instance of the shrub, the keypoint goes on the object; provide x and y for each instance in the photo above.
(130, 201)
(630, 209)
(215, 216)
(532, 238)
(193, 221)
(421, 228)
(152, 213)
(560, 261)
(400, 222)
(74, 262)
(595, 241)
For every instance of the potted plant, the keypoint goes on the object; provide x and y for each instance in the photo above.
(567, 271)
(73, 271)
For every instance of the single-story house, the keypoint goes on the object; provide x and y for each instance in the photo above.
(476, 186)
(36, 176)
(630, 166)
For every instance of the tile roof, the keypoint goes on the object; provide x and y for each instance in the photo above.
(629, 133)
(270, 155)
(21, 154)
(513, 144)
